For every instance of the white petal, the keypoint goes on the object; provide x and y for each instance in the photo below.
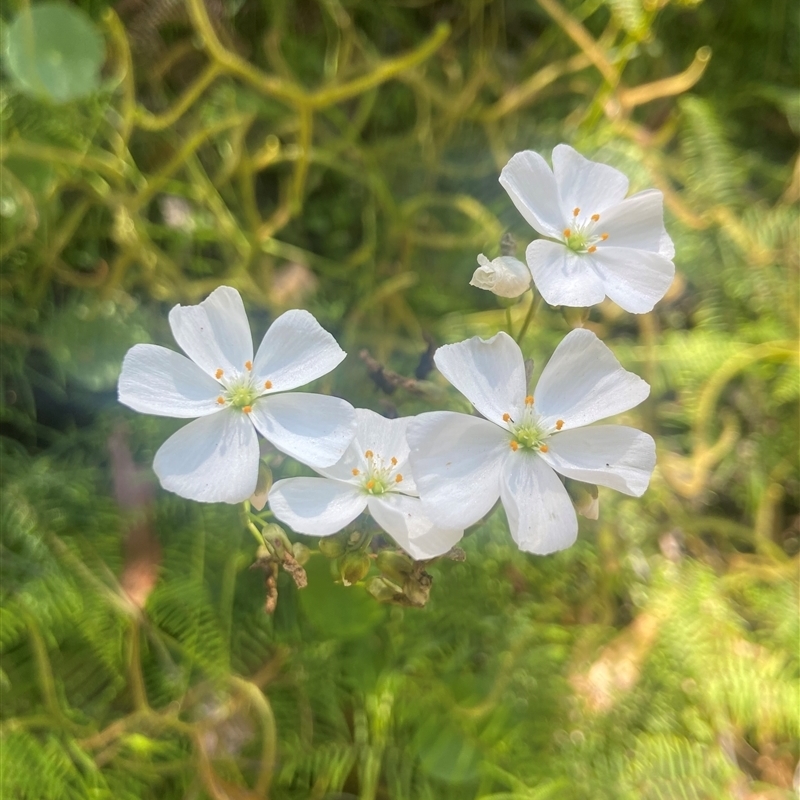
(610, 455)
(385, 438)
(583, 382)
(540, 514)
(158, 381)
(213, 459)
(562, 276)
(490, 373)
(404, 519)
(456, 462)
(295, 351)
(215, 334)
(531, 186)
(638, 223)
(634, 279)
(588, 185)
(313, 428)
(316, 506)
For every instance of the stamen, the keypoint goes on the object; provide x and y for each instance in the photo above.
(394, 461)
(595, 217)
(591, 249)
(543, 448)
(267, 384)
(529, 400)
(575, 212)
(356, 471)
(514, 445)
(221, 401)
(398, 478)
(506, 417)
(370, 484)
(247, 409)
(604, 236)
(219, 373)
(567, 233)
(559, 424)
(369, 454)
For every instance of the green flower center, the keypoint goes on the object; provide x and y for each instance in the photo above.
(242, 395)
(529, 436)
(379, 476)
(577, 241)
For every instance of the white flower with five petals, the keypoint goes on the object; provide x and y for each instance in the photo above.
(599, 243)
(463, 464)
(233, 394)
(374, 474)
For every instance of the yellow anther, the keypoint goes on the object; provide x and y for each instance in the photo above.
(356, 471)
(514, 445)
(247, 409)
(559, 424)
(529, 400)
(506, 417)
(221, 401)
(219, 373)
(543, 448)
(591, 249)
(575, 212)
(567, 233)
(604, 236)
(267, 384)
(370, 484)
(595, 217)
(369, 454)
(398, 478)
(248, 365)
(394, 461)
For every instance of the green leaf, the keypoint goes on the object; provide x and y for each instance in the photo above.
(54, 51)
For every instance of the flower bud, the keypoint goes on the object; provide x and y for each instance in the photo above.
(506, 276)
(395, 566)
(353, 567)
(301, 553)
(331, 546)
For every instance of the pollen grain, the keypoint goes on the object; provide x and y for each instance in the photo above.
(595, 217)
(567, 233)
(604, 236)
(219, 373)
(267, 384)
(394, 461)
(575, 212)
(591, 249)
(398, 478)
(221, 400)
(543, 448)
(506, 417)
(356, 471)
(559, 424)
(529, 400)
(514, 445)
(369, 454)
(247, 409)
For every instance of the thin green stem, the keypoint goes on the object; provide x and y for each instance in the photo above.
(536, 300)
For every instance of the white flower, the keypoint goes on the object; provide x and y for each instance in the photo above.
(506, 276)
(604, 243)
(215, 458)
(462, 463)
(373, 474)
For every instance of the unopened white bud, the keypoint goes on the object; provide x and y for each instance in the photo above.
(506, 276)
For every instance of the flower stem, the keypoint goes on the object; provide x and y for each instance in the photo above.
(509, 325)
(536, 300)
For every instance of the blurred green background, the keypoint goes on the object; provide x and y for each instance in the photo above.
(343, 156)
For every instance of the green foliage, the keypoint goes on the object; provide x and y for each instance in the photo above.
(343, 156)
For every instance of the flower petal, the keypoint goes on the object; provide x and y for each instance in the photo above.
(215, 334)
(316, 506)
(588, 185)
(456, 462)
(490, 373)
(531, 186)
(295, 351)
(213, 459)
(313, 428)
(638, 223)
(610, 455)
(404, 519)
(634, 279)
(583, 382)
(540, 514)
(158, 381)
(385, 438)
(562, 276)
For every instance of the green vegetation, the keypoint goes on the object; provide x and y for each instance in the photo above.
(342, 155)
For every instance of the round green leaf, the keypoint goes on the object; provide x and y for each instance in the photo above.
(54, 51)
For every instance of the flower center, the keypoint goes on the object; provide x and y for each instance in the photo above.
(379, 476)
(580, 237)
(242, 394)
(528, 433)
